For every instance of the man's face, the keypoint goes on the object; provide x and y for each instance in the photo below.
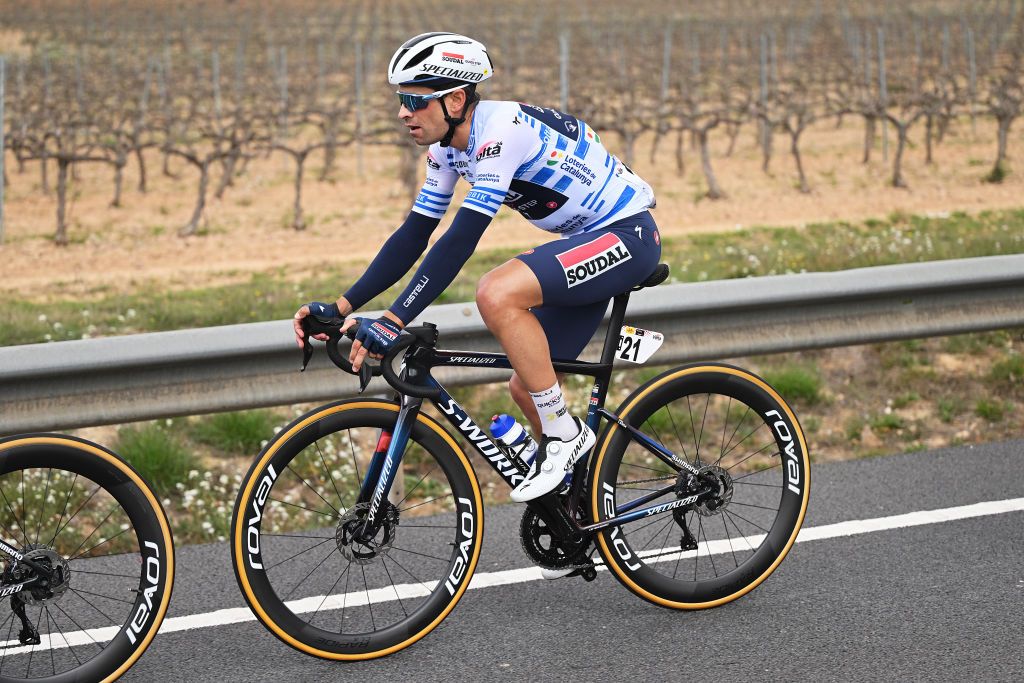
(427, 125)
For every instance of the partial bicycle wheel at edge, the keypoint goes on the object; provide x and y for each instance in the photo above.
(74, 506)
(750, 448)
(293, 549)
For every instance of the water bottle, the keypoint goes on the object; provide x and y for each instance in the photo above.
(514, 437)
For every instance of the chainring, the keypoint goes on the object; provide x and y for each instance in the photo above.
(547, 550)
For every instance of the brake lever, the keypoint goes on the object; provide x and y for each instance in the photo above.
(307, 352)
(320, 324)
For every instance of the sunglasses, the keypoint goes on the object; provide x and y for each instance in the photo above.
(414, 102)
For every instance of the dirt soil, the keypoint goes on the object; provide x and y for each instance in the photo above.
(248, 230)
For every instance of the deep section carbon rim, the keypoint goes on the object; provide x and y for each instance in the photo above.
(83, 514)
(748, 450)
(314, 575)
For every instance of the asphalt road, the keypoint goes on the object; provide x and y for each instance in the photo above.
(938, 601)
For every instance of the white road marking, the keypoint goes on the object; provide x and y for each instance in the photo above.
(237, 615)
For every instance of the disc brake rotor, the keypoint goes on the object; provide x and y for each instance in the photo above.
(354, 545)
(45, 590)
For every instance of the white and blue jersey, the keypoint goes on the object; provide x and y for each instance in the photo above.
(549, 166)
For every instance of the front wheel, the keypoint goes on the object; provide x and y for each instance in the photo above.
(310, 570)
(88, 565)
(748, 457)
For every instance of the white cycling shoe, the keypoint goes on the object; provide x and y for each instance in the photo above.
(554, 459)
(552, 574)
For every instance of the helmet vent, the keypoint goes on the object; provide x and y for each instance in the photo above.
(420, 57)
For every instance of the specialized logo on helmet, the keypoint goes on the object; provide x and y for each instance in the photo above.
(489, 150)
(589, 260)
(458, 74)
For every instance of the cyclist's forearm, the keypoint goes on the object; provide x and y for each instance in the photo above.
(441, 264)
(396, 257)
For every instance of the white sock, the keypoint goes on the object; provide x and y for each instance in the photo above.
(554, 416)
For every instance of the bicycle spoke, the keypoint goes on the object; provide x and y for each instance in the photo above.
(344, 598)
(65, 638)
(703, 421)
(288, 559)
(75, 514)
(750, 474)
(728, 536)
(302, 507)
(341, 498)
(49, 633)
(15, 516)
(330, 592)
(366, 589)
(94, 530)
(120, 533)
(83, 599)
(413, 507)
(675, 429)
(42, 508)
(414, 577)
(725, 426)
(32, 651)
(736, 514)
(758, 451)
(123, 576)
(655, 535)
(67, 501)
(317, 566)
(751, 505)
(355, 462)
(732, 436)
(409, 492)
(413, 552)
(105, 597)
(10, 630)
(398, 597)
(740, 442)
(313, 490)
(78, 626)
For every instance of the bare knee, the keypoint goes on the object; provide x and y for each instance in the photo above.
(489, 295)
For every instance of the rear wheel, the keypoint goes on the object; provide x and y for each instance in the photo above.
(95, 528)
(307, 567)
(750, 453)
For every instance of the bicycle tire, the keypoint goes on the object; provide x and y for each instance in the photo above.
(751, 478)
(136, 568)
(260, 556)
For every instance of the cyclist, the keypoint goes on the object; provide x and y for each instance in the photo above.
(546, 302)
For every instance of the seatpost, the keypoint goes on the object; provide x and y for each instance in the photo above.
(611, 340)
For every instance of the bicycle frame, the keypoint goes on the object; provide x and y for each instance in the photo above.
(383, 467)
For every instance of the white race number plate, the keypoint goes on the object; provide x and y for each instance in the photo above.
(637, 345)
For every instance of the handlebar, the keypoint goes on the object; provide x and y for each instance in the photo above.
(314, 324)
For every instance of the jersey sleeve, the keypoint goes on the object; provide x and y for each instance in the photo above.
(506, 146)
(436, 193)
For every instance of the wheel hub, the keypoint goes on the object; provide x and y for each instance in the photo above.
(363, 546)
(720, 482)
(45, 588)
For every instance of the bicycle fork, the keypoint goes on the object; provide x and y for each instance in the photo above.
(385, 464)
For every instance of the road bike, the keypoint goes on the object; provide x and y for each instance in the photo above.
(358, 527)
(87, 561)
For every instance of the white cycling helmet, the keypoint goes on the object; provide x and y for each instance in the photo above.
(440, 60)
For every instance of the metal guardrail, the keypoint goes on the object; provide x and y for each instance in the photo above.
(122, 379)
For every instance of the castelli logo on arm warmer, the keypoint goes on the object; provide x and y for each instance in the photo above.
(590, 260)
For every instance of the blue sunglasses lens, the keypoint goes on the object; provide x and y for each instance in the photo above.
(414, 102)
